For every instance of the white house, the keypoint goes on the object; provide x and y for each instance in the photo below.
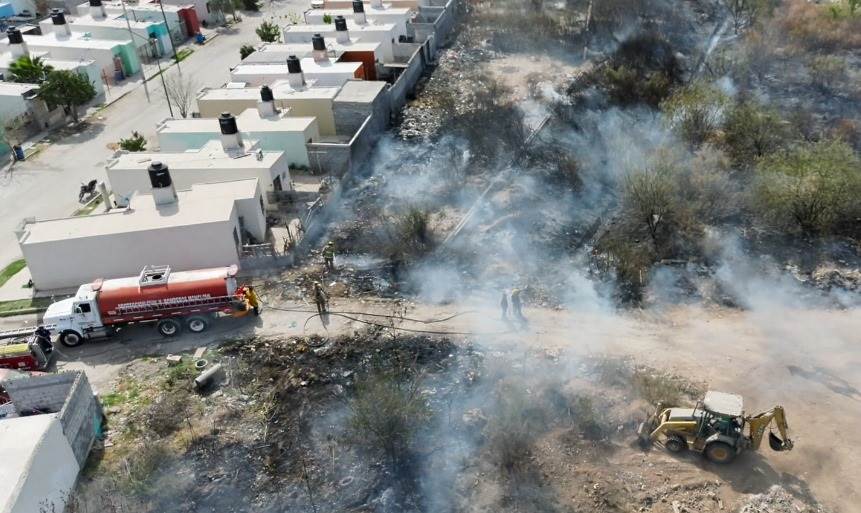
(273, 131)
(203, 226)
(344, 30)
(216, 161)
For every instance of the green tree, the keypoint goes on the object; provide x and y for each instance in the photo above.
(327, 19)
(67, 89)
(29, 70)
(812, 187)
(752, 132)
(695, 112)
(268, 32)
(648, 198)
(246, 50)
(136, 142)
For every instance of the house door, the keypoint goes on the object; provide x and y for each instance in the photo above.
(276, 183)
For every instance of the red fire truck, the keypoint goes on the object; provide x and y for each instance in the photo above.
(170, 300)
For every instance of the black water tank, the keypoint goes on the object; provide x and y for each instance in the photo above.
(95, 3)
(358, 6)
(340, 24)
(227, 123)
(58, 17)
(159, 176)
(266, 94)
(318, 42)
(14, 35)
(293, 65)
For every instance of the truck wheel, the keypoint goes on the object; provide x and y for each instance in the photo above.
(168, 327)
(196, 324)
(675, 444)
(70, 338)
(720, 452)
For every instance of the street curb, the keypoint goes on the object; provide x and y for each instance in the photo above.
(23, 311)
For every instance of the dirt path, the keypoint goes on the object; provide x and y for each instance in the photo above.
(806, 360)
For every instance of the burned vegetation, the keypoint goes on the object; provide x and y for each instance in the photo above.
(376, 422)
(621, 141)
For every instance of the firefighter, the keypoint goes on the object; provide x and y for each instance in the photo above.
(321, 299)
(329, 255)
(253, 299)
(503, 305)
(517, 305)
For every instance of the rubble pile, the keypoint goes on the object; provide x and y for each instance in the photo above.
(777, 500)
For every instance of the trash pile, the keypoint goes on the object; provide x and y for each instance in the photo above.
(778, 500)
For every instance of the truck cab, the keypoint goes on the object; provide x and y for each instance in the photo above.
(77, 318)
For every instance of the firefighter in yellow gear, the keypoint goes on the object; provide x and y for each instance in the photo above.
(320, 298)
(329, 255)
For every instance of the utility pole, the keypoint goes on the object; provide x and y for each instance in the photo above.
(164, 85)
(169, 36)
(132, 37)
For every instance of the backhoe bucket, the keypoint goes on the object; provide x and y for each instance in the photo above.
(777, 444)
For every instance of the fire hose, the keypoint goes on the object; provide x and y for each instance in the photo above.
(350, 316)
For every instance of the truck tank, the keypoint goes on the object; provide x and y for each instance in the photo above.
(159, 287)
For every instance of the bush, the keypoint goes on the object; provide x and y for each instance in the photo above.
(167, 413)
(752, 132)
(327, 19)
(827, 72)
(811, 187)
(136, 142)
(644, 69)
(246, 50)
(268, 32)
(695, 112)
(136, 472)
(648, 198)
(387, 412)
(512, 430)
(818, 28)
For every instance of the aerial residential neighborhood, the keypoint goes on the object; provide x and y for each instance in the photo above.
(402, 256)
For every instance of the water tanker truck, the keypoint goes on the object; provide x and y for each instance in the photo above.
(172, 301)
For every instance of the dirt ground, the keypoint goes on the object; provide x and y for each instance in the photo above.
(805, 360)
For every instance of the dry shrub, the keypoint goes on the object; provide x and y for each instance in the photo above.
(644, 69)
(515, 424)
(818, 28)
(167, 413)
(137, 470)
(387, 412)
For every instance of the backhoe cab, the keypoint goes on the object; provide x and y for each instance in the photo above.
(715, 427)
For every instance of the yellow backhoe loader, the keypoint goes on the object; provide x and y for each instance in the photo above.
(715, 427)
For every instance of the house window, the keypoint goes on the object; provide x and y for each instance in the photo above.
(262, 208)
(236, 236)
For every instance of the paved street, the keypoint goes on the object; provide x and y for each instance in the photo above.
(47, 186)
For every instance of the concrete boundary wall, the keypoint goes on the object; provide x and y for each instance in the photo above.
(337, 158)
(66, 393)
(81, 418)
(407, 80)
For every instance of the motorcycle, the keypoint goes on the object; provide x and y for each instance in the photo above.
(87, 190)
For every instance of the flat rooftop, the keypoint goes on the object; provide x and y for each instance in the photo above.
(89, 21)
(210, 156)
(248, 121)
(309, 66)
(201, 204)
(20, 438)
(16, 88)
(281, 90)
(360, 91)
(118, 7)
(370, 11)
(76, 40)
(6, 59)
(352, 28)
(278, 52)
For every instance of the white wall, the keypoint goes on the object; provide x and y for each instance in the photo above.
(51, 474)
(12, 106)
(71, 262)
(125, 182)
(253, 217)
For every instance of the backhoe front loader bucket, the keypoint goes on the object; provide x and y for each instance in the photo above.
(777, 444)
